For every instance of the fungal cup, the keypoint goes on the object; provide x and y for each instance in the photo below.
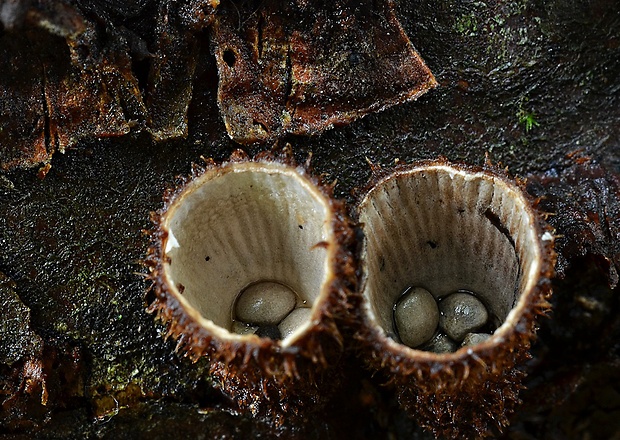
(447, 229)
(253, 243)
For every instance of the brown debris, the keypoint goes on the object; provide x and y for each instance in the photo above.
(72, 73)
(196, 15)
(22, 380)
(63, 85)
(35, 377)
(171, 77)
(22, 112)
(89, 102)
(107, 403)
(303, 67)
(17, 340)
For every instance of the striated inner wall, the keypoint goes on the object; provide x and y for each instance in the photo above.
(447, 230)
(254, 223)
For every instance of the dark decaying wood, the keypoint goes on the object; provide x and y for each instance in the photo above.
(132, 92)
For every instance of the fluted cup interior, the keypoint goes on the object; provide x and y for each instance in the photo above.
(242, 224)
(447, 229)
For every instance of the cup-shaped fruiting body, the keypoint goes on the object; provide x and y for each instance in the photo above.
(472, 239)
(252, 268)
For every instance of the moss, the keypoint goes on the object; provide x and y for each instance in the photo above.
(466, 25)
(527, 119)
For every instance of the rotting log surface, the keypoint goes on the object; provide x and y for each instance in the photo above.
(535, 84)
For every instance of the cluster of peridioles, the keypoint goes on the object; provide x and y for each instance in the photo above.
(255, 266)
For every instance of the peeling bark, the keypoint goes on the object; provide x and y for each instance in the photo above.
(300, 68)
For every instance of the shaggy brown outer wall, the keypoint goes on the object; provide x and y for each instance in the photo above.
(270, 381)
(469, 394)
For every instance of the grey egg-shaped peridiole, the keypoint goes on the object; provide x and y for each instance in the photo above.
(461, 313)
(265, 303)
(416, 316)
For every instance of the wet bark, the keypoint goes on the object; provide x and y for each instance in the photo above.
(533, 84)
